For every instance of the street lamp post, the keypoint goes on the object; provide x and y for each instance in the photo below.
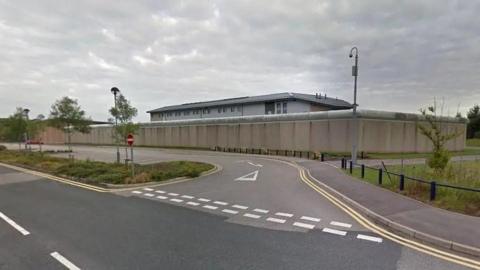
(115, 91)
(25, 113)
(355, 122)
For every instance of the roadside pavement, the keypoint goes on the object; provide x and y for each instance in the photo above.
(419, 220)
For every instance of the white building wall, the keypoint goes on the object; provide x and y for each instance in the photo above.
(233, 110)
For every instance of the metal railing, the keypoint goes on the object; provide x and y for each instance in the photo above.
(433, 185)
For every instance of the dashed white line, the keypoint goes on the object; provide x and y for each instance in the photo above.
(251, 215)
(203, 200)
(220, 203)
(264, 211)
(210, 207)
(187, 196)
(340, 224)
(277, 220)
(230, 211)
(176, 200)
(149, 194)
(162, 197)
(333, 231)
(137, 192)
(160, 191)
(370, 238)
(14, 224)
(148, 189)
(310, 218)
(284, 214)
(304, 225)
(173, 194)
(193, 203)
(68, 264)
(240, 206)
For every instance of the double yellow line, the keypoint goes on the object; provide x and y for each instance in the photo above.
(384, 233)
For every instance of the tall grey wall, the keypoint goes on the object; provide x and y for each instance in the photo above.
(318, 131)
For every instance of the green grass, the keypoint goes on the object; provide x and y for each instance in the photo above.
(94, 172)
(473, 142)
(465, 174)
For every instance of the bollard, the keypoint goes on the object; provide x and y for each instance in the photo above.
(380, 175)
(351, 167)
(433, 190)
(322, 157)
(363, 171)
(402, 182)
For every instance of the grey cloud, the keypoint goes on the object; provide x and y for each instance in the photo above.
(167, 52)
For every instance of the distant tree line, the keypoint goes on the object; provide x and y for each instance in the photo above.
(473, 126)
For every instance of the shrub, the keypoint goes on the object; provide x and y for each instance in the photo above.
(438, 160)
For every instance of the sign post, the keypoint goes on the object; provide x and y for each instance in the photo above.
(130, 141)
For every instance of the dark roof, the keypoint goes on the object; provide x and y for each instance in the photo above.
(322, 100)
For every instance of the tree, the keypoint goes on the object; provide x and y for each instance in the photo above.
(124, 113)
(473, 126)
(16, 127)
(433, 131)
(67, 115)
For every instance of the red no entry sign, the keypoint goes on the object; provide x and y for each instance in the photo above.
(130, 139)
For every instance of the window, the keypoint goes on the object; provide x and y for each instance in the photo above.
(279, 107)
(224, 109)
(219, 110)
(186, 113)
(284, 107)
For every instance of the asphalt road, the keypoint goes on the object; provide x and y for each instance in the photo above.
(237, 218)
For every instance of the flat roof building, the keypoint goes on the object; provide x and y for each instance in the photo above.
(281, 103)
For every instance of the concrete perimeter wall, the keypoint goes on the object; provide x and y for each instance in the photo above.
(317, 131)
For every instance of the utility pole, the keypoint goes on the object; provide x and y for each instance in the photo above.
(355, 121)
(115, 91)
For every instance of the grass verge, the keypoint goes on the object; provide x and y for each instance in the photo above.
(100, 173)
(465, 174)
(473, 142)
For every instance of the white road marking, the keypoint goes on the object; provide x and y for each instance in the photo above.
(176, 200)
(187, 196)
(203, 200)
(230, 211)
(148, 189)
(284, 214)
(240, 206)
(310, 218)
(149, 194)
(162, 197)
(193, 203)
(333, 231)
(277, 220)
(220, 203)
(251, 215)
(14, 224)
(304, 225)
(68, 264)
(137, 192)
(173, 194)
(370, 238)
(340, 224)
(253, 164)
(248, 177)
(210, 207)
(160, 191)
(260, 210)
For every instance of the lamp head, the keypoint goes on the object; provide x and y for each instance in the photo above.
(114, 90)
(351, 55)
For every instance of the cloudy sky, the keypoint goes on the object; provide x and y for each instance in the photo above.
(167, 52)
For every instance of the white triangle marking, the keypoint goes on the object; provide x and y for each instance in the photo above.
(248, 177)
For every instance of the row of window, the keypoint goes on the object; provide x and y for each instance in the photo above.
(281, 107)
(203, 111)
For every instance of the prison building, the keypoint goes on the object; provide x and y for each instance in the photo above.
(280, 103)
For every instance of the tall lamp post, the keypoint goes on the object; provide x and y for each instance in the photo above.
(25, 113)
(115, 91)
(355, 124)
